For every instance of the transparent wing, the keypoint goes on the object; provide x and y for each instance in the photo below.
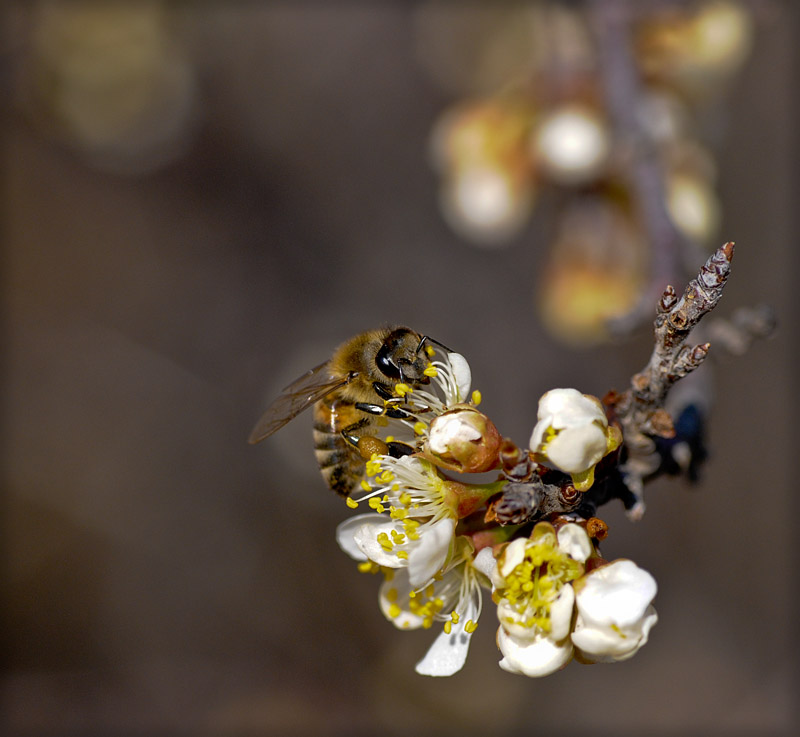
(299, 395)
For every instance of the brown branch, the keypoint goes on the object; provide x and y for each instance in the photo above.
(640, 410)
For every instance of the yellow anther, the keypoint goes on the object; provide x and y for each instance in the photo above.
(405, 499)
(367, 566)
(431, 371)
(447, 627)
(384, 541)
(402, 389)
(430, 351)
(366, 485)
(391, 595)
(398, 537)
(397, 513)
(476, 397)
(470, 626)
(394, 611)
(374, 502)
(455, 616)
(390, 438)
(420, 427)
(386, 477)
(429, 590)
(427, 623)
(402, 554)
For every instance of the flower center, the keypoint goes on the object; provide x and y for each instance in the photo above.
(535, 583)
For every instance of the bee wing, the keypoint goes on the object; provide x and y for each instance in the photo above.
(299, 395)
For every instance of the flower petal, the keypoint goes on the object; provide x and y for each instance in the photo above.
(448, 652)
(486, 563)
(575, 449)
(366, 539)
(574, 541)
(393, 598)
(429, 554)
(616, 595)
(462, 375)
(345, 534)
(539, 657)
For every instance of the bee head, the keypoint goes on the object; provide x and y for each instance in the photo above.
(401, 358)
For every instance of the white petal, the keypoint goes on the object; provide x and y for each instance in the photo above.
(541, 657)
(486, 563)
(447, 654)
(345, 534)
(616, 595)
(451, 429)
(396, 592)
(366, 539)
(569, 408)
(538, 435)
(574, 541)
(462, 376)
(428, 555)
(561, 613)
(606, 644)
(513, 555)
(576, 449)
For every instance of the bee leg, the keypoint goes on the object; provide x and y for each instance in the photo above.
(368, 445)
(375, 409)
(382, 391)
(398, 450)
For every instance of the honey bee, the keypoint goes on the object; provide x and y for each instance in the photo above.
(349, 393)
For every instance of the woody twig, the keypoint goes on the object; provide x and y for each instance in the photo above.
(640, 410)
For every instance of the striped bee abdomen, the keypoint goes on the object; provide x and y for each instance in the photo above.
(339, 462)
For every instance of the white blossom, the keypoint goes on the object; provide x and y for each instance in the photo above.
(572, 434)
(615, 613)
(453, 599)
(536, 600)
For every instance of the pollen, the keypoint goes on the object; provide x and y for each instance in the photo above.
(470, 626)
(429, 349)
(402, 389)
(373, 465)
(447, 627)
(419, 427)
(394, 611)
(368, 566)
(350, 502)
(431, 371)
(366, 485)
(384, 541)
(534, 584)
(476, 397)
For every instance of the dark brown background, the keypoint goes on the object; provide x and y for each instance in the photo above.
(162, 575)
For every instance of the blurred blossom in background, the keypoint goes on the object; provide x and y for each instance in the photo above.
(202, 200)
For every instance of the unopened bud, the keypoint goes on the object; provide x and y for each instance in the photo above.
(463, 439)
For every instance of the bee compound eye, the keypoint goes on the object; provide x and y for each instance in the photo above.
(384, 362)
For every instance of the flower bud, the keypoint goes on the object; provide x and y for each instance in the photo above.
(463, 439)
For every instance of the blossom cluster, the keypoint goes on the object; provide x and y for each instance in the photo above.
(530, 537)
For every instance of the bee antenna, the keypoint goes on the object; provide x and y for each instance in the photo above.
(427, 339)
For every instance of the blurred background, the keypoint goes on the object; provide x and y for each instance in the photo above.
(202, 200)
